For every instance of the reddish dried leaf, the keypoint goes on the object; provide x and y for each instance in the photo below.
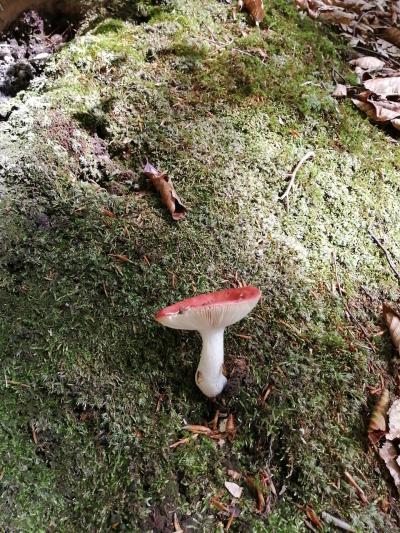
(377, 421)
(312, 515)
(108, 213)
(163, 184)
(255, 9)
(120, 257)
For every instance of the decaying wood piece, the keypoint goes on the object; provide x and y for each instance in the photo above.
(163, 184)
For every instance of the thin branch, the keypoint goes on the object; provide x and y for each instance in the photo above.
(337, 522)
(388, 257)
(309, 155)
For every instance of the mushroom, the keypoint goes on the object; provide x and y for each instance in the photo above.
(209, 314)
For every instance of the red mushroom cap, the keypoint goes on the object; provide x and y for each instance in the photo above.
(212, 310)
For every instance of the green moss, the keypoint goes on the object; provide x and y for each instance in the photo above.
(227, 110)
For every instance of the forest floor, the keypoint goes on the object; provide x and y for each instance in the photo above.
(93, 390)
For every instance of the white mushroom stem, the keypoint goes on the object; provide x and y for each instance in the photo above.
(209, 376)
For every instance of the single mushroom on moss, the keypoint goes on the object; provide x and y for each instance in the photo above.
(210, 314)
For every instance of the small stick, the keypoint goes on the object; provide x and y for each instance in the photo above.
(309, 155)
(389, 259)
(356, 486)
(341, 524)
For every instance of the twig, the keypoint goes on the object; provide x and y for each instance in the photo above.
(309, 155)
(341, 524)
(388, 257)
(356, 486)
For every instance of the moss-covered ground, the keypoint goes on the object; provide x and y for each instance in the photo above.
(93, 391)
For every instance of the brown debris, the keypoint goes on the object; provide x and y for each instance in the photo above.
(163, 184)
(393, 322)
(312, 515)
(255, 8)
(377, 424)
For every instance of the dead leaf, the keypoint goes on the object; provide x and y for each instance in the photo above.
(254, 484)
(377, 423)
(369, 63)
(108, 213)
(120, 257)
(312, 515)
(384, 86)
(393, 322)
(180, 442)
(233, 489)
(193, 428)
(340, 91)
(392, 35)
(177, 526)
(230, 428)
(394, 421)
(389, 454)
(163, 184)
(255, 8)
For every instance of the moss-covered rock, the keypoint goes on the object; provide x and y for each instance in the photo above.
(94, 390)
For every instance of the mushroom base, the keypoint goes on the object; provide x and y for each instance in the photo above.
(209, 376)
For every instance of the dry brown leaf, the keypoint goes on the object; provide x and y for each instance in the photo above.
(163, 184)
(108, 213)
(230, 428)
(393, 322)
(121, 257)
(389, 454)
(233, 489)
(384, 86)
(255, 486)
(312, 515)
(385, 110)
(193, 428)
(377, 423)
(177, 526)
(180, 442)
(392, 35)
(394, 421)
(369, 63)
(255, 9)
(340, 91)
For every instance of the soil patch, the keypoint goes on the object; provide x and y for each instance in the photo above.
(26, 47)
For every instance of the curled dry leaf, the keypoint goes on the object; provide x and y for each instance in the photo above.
(394, 421)
(340, 91)
(369, 63)
(377, 423)
(234, 489)
(393, 322)
(384, 86)
(255, 9)
(389, 454)
(163, 184)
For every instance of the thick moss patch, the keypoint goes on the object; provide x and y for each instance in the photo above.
(95, 391)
